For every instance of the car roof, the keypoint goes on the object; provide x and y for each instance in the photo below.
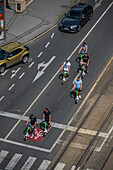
(79, 6)
(10, 46)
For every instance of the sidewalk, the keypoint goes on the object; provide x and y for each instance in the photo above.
(38, 17)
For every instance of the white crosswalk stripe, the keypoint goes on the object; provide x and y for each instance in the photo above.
(13, 161)
(60, 166)
(44, 165)
(28, 164)
(3, 154)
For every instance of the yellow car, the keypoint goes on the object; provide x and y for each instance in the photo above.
(13, 53)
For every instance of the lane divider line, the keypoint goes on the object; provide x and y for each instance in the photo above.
(47, 44)
(55, 76)
(31, 64)
(22, 75)
(11, 87)
(40, 54)
(52, 35)
(1, 98)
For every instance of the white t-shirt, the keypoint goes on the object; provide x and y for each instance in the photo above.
(66, 66)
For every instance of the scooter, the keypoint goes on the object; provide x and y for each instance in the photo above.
(28, 133)
(75, 94)
(83, 70)
(64, 77)
(44, 127)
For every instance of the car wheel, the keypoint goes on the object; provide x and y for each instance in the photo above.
(2, 69)
(91, 16)
(79, 28)
(25, 59)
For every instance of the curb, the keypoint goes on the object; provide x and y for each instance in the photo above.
(40, 35)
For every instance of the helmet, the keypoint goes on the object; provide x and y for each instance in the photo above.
(31, 115)
(67, 61)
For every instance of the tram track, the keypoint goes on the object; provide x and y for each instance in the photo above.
(91, 143)
(107, 158)
(80, 164)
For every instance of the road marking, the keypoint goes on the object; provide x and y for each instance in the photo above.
(1, 98)
(74, 145)
(47, 44)
(5, 72)
(24, 145)
(52, 35)
(39, 36)
(55, 125)
(3, 154)
(22, 75)
(11, 87)
(57, 74)
(98, 149)
(40, 54)
(45, 65)
(44, 165)
(14, 72)
(60, 166)
(28, 164)
(13, 161)
(31, 64)
(97, 4)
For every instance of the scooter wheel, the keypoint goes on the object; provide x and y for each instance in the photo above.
(76, 101)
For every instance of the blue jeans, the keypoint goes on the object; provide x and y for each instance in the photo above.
(31, 126)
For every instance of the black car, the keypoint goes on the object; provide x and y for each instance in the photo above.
(76, 18)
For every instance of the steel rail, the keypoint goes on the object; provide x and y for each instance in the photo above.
(93, 140)
(81, 124)
(107, 158)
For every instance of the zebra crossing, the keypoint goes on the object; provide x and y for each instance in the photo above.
(28, 164)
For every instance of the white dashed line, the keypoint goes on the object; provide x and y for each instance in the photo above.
(11, 87)
(52, 35)
(40, 54)
(31, 64)
(1, 98)
(47, 44)
(54, 78)
(21, 75)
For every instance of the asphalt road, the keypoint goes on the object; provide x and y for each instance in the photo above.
(19, 90)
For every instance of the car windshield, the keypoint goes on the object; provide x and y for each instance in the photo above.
(73, 14)
(3, 54)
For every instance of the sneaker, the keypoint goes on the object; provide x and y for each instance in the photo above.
(79, 96)
(84, 73)
(64, 79)
(45, 131)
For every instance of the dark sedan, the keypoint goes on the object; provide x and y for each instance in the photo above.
(76, 18)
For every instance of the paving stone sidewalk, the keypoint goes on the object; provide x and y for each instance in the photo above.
(39, 16)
